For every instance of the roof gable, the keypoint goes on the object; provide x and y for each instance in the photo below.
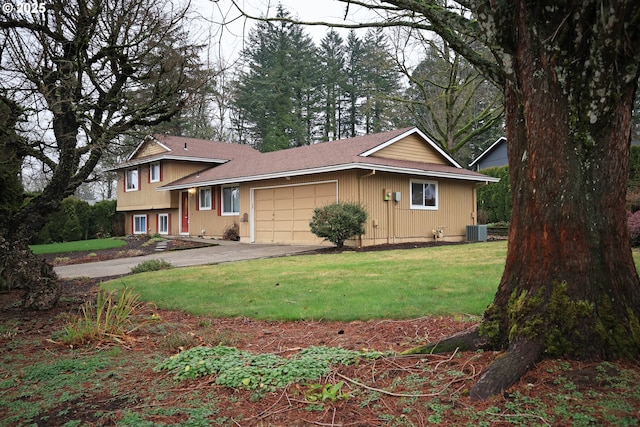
(148, 147)
(413, 145)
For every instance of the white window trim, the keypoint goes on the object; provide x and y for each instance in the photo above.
(422, 207)
(163, 215)
(222, 205)
(146, 225)
(136, 183)
(200, 206)
(151, 167)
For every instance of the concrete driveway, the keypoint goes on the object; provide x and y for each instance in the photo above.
(225, 251)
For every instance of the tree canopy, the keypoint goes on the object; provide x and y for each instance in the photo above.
(82, 75)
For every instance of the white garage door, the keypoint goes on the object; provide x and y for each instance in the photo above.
(282, 214)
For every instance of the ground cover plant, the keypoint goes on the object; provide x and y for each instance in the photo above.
(43, 381)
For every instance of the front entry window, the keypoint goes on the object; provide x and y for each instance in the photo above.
(230, 200)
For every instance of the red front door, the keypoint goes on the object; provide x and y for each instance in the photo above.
(184, 209)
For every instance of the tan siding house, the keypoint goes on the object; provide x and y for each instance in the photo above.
(408, 185)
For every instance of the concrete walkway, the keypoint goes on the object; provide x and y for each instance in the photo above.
(225, 251)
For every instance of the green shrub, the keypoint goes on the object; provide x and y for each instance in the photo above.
(152, 265)
(494, 199)
(102, 218)
(338, 222)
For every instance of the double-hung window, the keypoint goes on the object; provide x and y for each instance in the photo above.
(424, 195)
(154, 172)
(139, 224)
(131, 180)
(204, 199)
(163, 223)
(230, 200)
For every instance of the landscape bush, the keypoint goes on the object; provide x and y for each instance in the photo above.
(338, 222)
(494, 199)
(77, 220)
(152, 265)
(232, 232)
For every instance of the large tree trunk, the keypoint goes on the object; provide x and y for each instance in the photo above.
(570, 286)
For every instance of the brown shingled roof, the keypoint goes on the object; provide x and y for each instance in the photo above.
(322, 157)
(190, 149)
(202, 148)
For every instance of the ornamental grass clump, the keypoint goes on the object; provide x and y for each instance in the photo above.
(110, 318)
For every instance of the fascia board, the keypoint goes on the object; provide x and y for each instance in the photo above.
(153, 159)
(336, 168)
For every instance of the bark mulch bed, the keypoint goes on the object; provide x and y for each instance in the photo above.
(392, 391)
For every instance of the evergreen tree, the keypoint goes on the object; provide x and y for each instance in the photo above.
(381, 83)
(354, 72)
(332, 58)
(274, 95)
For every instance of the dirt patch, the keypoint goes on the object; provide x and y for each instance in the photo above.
(392, 391)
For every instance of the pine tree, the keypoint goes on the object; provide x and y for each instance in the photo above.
(275, 93)
(332, 58)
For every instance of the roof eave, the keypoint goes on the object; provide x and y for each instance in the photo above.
(333, 168)
(152, 159)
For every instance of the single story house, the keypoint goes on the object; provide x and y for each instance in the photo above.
(494, 156)
(411, 189)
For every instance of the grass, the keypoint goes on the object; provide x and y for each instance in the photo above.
(397, 284)
(78, 246)
(43, 383)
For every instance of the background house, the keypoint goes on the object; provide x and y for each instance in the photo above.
(494, 156)
(407, 184)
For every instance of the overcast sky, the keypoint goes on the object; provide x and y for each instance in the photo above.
(228, 40)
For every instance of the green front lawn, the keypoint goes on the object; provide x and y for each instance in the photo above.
(78, 246)
(395, 284)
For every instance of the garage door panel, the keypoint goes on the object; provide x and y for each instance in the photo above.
(283, 204)
(284, 193)
(263, 195)
(305, 204)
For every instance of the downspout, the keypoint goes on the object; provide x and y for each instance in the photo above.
(360, 191)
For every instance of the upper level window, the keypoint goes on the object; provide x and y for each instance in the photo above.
(230, 200)
(132, 182)
(424, 195)
(205, 199)
(154, 172)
